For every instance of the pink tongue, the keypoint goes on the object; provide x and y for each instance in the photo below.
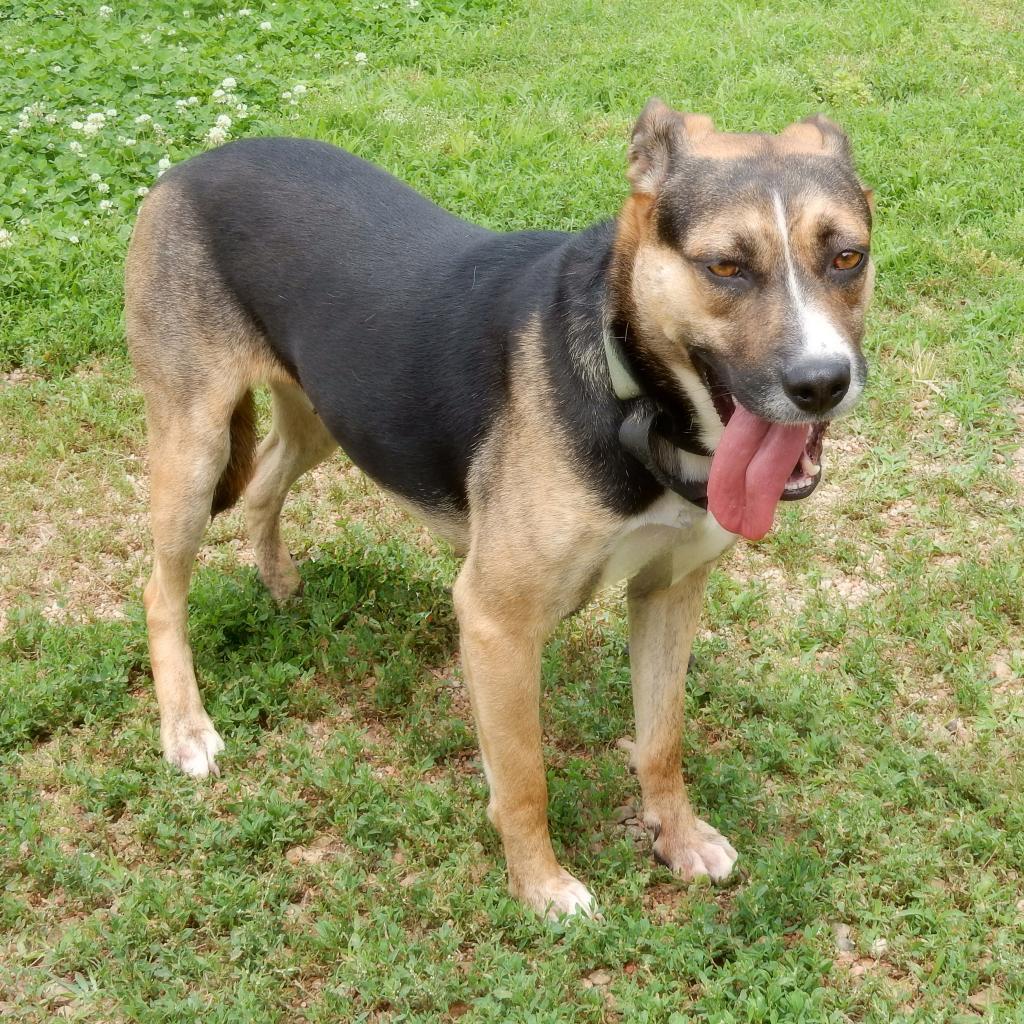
(749, 471)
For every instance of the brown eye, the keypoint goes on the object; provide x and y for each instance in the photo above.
(724, 269)
(848, 259)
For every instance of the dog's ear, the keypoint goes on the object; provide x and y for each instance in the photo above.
(833, 139)
(659, 135)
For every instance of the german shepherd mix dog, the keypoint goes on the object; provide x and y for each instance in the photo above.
(568, 410)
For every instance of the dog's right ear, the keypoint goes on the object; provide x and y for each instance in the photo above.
(659, 136)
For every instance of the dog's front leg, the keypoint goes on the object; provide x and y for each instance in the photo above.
(501, 641)
(662, 623)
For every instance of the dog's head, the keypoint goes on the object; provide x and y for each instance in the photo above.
(742, 268)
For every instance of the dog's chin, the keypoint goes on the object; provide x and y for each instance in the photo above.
(807, 473)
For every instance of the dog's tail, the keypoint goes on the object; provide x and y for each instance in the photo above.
(238, 472)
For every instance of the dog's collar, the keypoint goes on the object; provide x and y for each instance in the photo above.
(638, 433)
(624, 384)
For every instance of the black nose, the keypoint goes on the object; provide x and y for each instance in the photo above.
(818, 383)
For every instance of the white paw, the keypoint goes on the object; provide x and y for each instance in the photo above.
(701, 850)
(558, 896)
(192, 745)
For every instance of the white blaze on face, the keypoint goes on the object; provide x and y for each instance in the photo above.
(820, 336)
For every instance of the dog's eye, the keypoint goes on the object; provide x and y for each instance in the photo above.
(848, 259)
(724, 269)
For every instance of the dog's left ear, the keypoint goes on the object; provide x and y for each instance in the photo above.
(659, 136)
(833, 139)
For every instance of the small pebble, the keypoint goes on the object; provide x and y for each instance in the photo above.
(623, 814)
(844, 943)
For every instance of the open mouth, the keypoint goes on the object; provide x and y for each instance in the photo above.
(758, 462)
(806, 473)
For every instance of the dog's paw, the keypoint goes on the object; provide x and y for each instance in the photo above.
(559, 895)
(192, 745)
(699, 850)
(280, 576)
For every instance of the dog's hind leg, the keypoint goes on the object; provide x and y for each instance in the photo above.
(662, 624)
(297, 442)
(190, 449)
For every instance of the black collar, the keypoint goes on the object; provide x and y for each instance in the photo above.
(647, 426)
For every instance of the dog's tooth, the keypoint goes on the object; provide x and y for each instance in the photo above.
(810, 468)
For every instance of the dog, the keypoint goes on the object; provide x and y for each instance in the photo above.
(568, 410)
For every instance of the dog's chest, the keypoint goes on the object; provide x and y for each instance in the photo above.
(672, 532)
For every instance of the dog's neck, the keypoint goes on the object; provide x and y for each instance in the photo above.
(649, 428)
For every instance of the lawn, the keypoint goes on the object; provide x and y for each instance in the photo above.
(857, 708)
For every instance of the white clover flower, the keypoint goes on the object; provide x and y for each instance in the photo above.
(102, 187)
(298, 89)
(142, 191)
(146, 38)
(216, 135)
(218, 94)
(76, 147)
(94, 177)
(144, 119)
(244, 12)
(55, 69)
(360, 57)
(105, 204)
(223, 121)
(164, 163)
(413, 4)
(192, 101)
(180, 104)
(105, 11)
(242, 111)
(77, 126)
(111, 112)
(265, 26)
(50, 119)
(6, 241)
(286, 95)
(228, 83)
(94, 124)
(73, 239)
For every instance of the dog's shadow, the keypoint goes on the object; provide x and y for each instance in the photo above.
(367, 609)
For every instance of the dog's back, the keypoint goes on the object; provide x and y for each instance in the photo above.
(380, 304)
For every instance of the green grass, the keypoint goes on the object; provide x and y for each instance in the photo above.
(856, 718)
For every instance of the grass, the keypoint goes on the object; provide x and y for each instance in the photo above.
(856, 715)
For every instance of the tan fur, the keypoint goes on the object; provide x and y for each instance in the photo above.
(538, 540)
(662, 625)
(536, 544)
(674, 299)
(196, 357)
(297, 442)
(241, 457)
(660, 131)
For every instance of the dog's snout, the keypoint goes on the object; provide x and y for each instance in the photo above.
(817, 384)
